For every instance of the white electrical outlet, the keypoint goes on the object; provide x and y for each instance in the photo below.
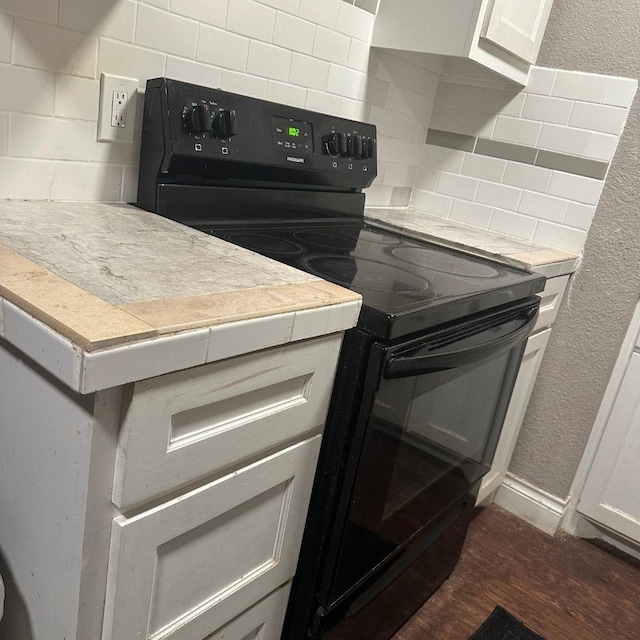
(117, 108)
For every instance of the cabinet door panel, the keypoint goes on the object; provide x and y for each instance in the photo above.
(182, 570)
(262, 622)
(611, 495)
(184, 426)
(518, 26)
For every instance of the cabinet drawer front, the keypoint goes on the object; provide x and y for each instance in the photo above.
(262, 622)
(184, 569)
(185, 426)
(550, 300)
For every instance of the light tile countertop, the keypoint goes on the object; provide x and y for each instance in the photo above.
(99, 283)
(483, 242)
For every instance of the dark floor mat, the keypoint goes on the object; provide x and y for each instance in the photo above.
(501, 625)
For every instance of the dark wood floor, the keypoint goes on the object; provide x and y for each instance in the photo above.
(562, 588)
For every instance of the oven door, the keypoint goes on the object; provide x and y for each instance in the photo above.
(427, 432)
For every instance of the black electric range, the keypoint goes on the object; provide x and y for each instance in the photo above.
(424, 380)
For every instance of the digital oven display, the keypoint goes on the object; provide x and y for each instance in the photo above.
(292, 135)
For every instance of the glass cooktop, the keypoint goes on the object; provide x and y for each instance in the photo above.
(404, 282)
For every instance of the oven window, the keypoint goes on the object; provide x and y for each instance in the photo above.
(428, 438)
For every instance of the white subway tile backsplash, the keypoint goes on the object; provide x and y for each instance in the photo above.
(33, 9)
(152, 28)
(332, 46)
(353, 109)
(324, 13)
(541, 81)
(498, 195)
(385, 121)
(32, 91)
(76, 98)
(619, 92)
(527, 176)
(517, 131)
(290, 6)
(376, 195)
(4, 133)
(547, 109)
(434, 203)
(564, 139)
(251, 19)
(377, 91)
(598, 117)
(399, 175)
(462, 121)
(601, 146)
(451, 184)
(24, 179)
(406, 128)
(161, 4)
(212, 12)
(194, 72)
(543, 206)
(513, 224)
(559, 236)
(235, 82)
(286, 93)
(223, 49)
(268, 61)
(43, 46)
(354, 23)
(307, 71)
(323, 102)
(443, 159)
(85, 181)
(579, 215)
(294, 33)
(478, 215)
(6, 34)
(103, 17)
(400, 99)
(587, 87)
(576, 188)
(120, 59)
(347, 82)
(130, 185)
(484, 167)
(359, 56)
(64, 139)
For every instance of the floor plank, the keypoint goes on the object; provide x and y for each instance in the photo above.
(561, 588)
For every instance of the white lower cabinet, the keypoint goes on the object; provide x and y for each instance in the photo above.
(550, 300)
(188, 566)
(611, 494)
(170, 508)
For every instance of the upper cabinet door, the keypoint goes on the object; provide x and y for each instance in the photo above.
(518, 26)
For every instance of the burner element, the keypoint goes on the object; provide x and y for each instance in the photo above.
(439, 260)
(265, 244)
(325, 240)
(366, 275)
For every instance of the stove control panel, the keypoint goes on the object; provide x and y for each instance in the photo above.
(202, 135)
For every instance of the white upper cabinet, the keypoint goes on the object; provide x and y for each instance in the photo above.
(518, 26)
(501, 35)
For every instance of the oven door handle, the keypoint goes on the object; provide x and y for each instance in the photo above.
(409, 366)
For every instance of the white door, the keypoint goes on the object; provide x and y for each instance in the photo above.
(518, 26)
(611, 495)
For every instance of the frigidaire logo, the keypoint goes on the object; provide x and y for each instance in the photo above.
(294, 159)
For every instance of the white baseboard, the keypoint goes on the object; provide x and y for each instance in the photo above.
(533, 505)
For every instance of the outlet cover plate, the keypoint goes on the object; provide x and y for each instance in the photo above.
(112, 89)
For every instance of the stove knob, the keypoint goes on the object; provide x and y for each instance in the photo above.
(366, 147)
(354, 146)
(198, 119)
(335, 144)
(224, 124)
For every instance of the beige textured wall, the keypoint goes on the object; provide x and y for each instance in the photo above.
(599, 37)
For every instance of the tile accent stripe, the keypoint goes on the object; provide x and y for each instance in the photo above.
(368, 5)
(519, 153)
(451, 140)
